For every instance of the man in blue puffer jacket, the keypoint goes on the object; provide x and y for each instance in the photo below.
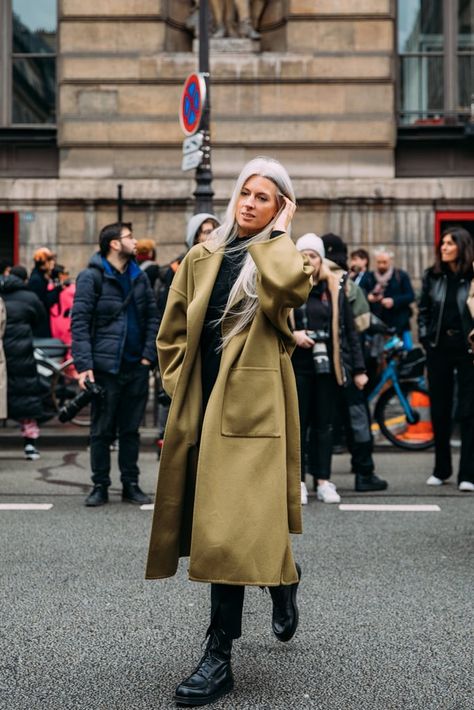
(114, 328)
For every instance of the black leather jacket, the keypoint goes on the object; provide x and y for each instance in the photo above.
(431, 305)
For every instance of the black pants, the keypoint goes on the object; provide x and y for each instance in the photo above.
(356, 416)
(120, 413)
(227, 603)
(442, 365)
(317, 396)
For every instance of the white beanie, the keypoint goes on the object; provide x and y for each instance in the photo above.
(312, 242)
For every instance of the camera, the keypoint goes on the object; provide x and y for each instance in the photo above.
(322, 364)
(70, 409)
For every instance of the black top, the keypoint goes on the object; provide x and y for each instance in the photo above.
(39, 284)
(211, 336)
(436, 315)
(451, 320)
(318, 310)
(153, 272)
(314, 315)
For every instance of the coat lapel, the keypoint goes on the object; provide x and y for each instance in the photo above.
(205, 270)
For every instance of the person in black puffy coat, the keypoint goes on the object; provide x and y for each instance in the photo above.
(114, 329)
(25, 313)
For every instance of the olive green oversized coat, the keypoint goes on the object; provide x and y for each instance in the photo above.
(231, 502)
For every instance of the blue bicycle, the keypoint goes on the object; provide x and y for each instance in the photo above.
(402, 408)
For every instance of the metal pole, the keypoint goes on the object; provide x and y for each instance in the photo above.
(119, 203)
(204, 193)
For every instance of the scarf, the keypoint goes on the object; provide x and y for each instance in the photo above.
(383, 279)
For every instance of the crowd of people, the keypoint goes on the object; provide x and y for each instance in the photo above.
(255, 333)
(336, 358)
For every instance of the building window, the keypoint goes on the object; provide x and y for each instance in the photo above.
(28, 62)
(436, 59)
(465, 52)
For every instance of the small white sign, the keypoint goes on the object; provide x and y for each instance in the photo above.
(192, 160)
(193, 143)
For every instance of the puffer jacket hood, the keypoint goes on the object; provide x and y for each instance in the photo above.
(11, 283)
(194, 225)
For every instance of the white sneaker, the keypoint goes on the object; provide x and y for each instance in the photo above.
(466, 486)
(304, 494)
(327, 493)
(31, 453)
(434, 481)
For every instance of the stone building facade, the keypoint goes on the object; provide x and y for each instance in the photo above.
(319, 92)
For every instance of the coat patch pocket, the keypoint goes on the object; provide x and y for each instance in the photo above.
(251, 403)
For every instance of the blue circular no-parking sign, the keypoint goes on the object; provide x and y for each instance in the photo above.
(192, 103)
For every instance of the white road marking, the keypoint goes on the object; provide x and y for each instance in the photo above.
(26, 506)
(390, 507)
(148, 506)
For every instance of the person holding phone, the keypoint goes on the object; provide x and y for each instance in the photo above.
(228, 493)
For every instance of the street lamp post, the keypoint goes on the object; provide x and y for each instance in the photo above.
(119, 203)
(204, 193)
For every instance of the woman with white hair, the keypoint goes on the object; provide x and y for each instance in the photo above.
(228, 493)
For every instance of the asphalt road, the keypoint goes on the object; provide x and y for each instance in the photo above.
(385, 601)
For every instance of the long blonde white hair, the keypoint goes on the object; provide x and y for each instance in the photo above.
(243, 302)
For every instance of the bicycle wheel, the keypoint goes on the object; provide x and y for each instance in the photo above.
(390, 415)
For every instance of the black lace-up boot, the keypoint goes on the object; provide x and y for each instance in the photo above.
(369, 482)
(213, 675)
(132, 493)
(98, 496)
(285, 610)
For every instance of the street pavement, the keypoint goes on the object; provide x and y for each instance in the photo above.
(385, 600)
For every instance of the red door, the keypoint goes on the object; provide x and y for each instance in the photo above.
(459, 219)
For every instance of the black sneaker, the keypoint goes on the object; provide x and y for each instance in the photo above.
(365, 484)
(99, 495)
(132, 493)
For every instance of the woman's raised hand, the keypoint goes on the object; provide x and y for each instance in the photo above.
(286, 215)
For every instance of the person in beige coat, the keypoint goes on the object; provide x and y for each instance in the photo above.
(3, 363)
(228, 493)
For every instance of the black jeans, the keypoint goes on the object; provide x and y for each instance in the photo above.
(317, 396)
(442, 365)
(119, 413)
(356, 415)
(227, 603)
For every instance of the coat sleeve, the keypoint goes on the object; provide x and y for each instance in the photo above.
(353, 339)
(81, 323)
(283, 280)
(424, 309)
(172, 336)
(360, 307)
(152, 323)
(406, 294)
